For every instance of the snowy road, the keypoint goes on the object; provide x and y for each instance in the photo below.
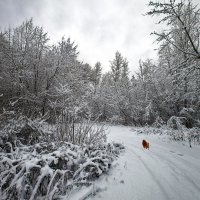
(168, 171)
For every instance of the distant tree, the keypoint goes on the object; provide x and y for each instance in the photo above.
(96, 74)
(116, 66)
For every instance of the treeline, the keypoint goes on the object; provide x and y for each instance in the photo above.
(38, 79)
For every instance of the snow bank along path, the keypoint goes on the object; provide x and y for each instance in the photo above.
(168, 171)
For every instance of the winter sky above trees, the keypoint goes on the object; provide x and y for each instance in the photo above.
(100, 28)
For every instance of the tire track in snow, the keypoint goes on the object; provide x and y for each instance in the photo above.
(177, 169)
(178, 158)
(173, 170)
(153, 176)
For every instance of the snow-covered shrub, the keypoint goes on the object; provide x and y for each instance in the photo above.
(158, 122)
(116, 120)
(177, 135)
(27, 131)
(190, 135)
(148, 130)
(31, 131)
(89, 133)
(50, 170)
(193, 136)
(188, 114)
(84, 132)
(176, 122)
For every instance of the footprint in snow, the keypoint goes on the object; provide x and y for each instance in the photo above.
(180, 154)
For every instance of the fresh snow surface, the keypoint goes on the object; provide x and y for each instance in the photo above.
(168, 171)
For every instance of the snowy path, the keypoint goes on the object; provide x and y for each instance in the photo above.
(165, 172)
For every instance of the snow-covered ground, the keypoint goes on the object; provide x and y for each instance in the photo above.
(168, 171)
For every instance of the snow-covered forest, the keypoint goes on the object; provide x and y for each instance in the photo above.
(55, 109)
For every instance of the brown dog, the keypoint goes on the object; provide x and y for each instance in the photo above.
(145, 144)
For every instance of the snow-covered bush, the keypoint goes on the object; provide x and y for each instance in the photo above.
(189, 115)
(158, 122)
(176, 122)
(50, 170)
(34, 167)
(177, 135)
(27, 131)
(193, 136)
(187, 112)
(148, 130)
(84, 132)
(116, 120)
(31, 131)
(190, 135)
(179, 131)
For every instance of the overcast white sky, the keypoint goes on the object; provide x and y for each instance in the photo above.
(99, 27)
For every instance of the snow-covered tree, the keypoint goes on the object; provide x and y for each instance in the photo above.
(179, 54)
